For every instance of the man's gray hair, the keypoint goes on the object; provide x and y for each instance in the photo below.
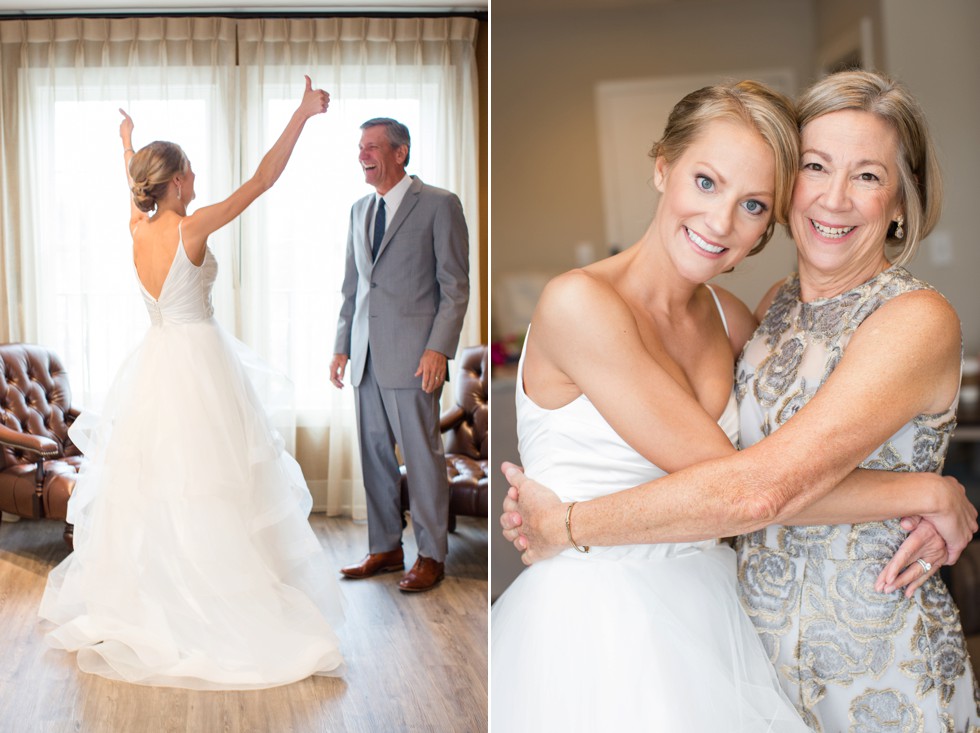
(396, 132)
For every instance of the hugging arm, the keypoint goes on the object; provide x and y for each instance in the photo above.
(585, 340)
(888, 374)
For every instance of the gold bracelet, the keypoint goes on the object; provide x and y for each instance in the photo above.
(568, 529)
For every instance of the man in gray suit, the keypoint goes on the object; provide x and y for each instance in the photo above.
(406, 287)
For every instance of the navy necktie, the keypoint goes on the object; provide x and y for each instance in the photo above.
(379, 229)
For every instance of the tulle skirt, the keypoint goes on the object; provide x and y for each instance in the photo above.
(631, 642)
(194, 564)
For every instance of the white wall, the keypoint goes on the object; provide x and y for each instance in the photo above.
(933, 49)
(546, 185)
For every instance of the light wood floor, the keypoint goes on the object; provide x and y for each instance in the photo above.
(415, 662)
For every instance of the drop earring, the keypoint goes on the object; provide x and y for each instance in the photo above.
(178, 198)
(899, 222)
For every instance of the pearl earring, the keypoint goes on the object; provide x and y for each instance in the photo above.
(178, 197)
(899, 232)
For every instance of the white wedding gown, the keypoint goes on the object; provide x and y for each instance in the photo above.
(645, 638)
(194, 564)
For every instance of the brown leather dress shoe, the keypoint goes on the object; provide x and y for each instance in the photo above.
(425, 574)
(372, 564)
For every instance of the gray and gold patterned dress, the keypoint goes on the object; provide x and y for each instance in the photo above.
(851, 659)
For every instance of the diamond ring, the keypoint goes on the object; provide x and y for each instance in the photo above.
(926, 566)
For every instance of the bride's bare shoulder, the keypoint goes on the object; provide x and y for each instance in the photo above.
(582, 294)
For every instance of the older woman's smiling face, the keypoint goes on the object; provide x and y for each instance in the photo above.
(845, 198)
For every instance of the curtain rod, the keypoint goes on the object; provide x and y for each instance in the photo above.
(24, 15)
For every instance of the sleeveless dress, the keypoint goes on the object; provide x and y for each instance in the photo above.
(850, 659)
(632, 638)
(194, 564)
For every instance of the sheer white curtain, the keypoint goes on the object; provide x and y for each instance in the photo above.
(419, 71)
(65, 250)
(223, 89)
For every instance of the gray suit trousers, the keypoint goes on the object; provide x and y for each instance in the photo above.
(409, 417)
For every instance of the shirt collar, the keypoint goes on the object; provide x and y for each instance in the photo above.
(394, 196)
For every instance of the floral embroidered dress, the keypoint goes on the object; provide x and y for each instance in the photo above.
(851, 659)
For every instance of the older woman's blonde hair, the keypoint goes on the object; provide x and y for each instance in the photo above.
(152, 168)
(920, 180)
(753, 104)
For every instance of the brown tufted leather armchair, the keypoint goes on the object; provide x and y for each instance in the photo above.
(38, 461)
(465, 427)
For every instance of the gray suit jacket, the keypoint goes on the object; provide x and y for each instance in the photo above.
(414, 296)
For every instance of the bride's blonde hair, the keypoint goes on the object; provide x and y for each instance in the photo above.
(755, 105)
(152, 168)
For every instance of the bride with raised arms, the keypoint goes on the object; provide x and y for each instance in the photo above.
(194, 563)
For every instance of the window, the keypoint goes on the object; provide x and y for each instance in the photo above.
(223, 89)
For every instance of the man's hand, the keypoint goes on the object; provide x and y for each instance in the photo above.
(432, 369)
(338, 365)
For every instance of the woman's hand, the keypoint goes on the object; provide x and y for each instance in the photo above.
(315, 101)
(533, 517)
(126, 130)
(936, 539)
(904, 570)
(957, 521)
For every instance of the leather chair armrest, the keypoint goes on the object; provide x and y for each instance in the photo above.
(451, 418)
(33, 443)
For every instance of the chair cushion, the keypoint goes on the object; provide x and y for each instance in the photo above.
(468, 485)
(34, 397)
(17, 487)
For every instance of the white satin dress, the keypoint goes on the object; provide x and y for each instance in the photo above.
(631, 638)
(194, 565)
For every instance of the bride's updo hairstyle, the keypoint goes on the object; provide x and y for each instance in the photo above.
(152, 169)
(755, 105)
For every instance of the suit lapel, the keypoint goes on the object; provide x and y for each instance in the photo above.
(404, 209)
(366, 225)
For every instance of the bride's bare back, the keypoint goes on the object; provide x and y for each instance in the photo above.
(155, 242)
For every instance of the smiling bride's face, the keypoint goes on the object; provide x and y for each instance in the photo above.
(717, 199)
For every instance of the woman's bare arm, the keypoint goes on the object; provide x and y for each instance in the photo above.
(888, 374)
(126, 134)
(199, 225)
(584, 340)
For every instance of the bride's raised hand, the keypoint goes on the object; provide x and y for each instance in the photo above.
(315, 101)
(126, 128)
(539, 514)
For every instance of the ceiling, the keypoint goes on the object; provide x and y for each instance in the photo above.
(82, 7)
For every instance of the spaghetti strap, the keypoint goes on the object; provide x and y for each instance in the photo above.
(721, 311)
